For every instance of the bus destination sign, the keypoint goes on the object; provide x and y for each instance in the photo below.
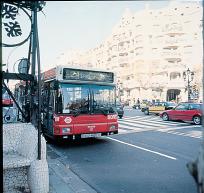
(87, 75)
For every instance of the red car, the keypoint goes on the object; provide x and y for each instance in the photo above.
(6, 99)
(191, 112)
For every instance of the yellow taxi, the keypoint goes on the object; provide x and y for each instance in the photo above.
(158, 107)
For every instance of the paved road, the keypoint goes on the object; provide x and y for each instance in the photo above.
(148, 155)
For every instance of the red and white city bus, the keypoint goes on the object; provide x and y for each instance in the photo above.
(78, 103)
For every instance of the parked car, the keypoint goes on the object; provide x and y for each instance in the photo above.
(158, 107)
(136, 106)
(6, 99)
(120, 109)
(144, 105)
(191, 112)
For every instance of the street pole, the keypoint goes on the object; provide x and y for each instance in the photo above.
(36, 114)
(188, 89)
(39, 98)
(188, 75)
(33, 59)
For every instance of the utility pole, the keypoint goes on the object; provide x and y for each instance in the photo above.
(33, 58)
(35, 53)
(188, 75)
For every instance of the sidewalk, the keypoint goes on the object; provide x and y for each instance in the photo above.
(62, 179)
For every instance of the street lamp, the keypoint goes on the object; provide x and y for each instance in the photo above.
(188, 76)
(119, 89)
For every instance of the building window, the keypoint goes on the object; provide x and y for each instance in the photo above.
(170, 61)
(174, 75)
(128, 93)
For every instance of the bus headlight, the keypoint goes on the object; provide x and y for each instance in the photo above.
(56, 119)
(112, 127)
(65, 130)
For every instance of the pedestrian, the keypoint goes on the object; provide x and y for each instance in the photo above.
(138, 103)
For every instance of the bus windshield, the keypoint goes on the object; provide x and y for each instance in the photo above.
(85, 98)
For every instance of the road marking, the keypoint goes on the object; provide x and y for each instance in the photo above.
(122, 131)
(134, 118)
(179, 127)
(138, 147)
(127, 129)
(153, 122)
(140, 124)
(121, 126)
(135, 125)
(145, 125)
(183, 134)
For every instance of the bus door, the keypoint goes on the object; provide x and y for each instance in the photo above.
(48, 108)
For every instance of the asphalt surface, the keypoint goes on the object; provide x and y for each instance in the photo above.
(148, 155)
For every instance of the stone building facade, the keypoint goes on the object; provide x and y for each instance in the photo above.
(149, 50)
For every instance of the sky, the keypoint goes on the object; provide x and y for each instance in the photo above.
(83, 25)
(79, 25)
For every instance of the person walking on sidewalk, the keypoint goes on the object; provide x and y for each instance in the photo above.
(138, 103)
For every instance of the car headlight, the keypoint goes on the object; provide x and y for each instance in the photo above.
(66, 130)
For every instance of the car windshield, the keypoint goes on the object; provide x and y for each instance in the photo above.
(86, 98)
(118, 104)
(159, 104)
(171, 104)
(182, 106)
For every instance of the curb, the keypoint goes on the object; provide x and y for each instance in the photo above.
(62, 179)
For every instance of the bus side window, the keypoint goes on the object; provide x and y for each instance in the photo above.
(44, 99)
(58, 102)
(51, 100)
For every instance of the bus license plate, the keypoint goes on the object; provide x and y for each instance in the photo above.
(90, 135)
